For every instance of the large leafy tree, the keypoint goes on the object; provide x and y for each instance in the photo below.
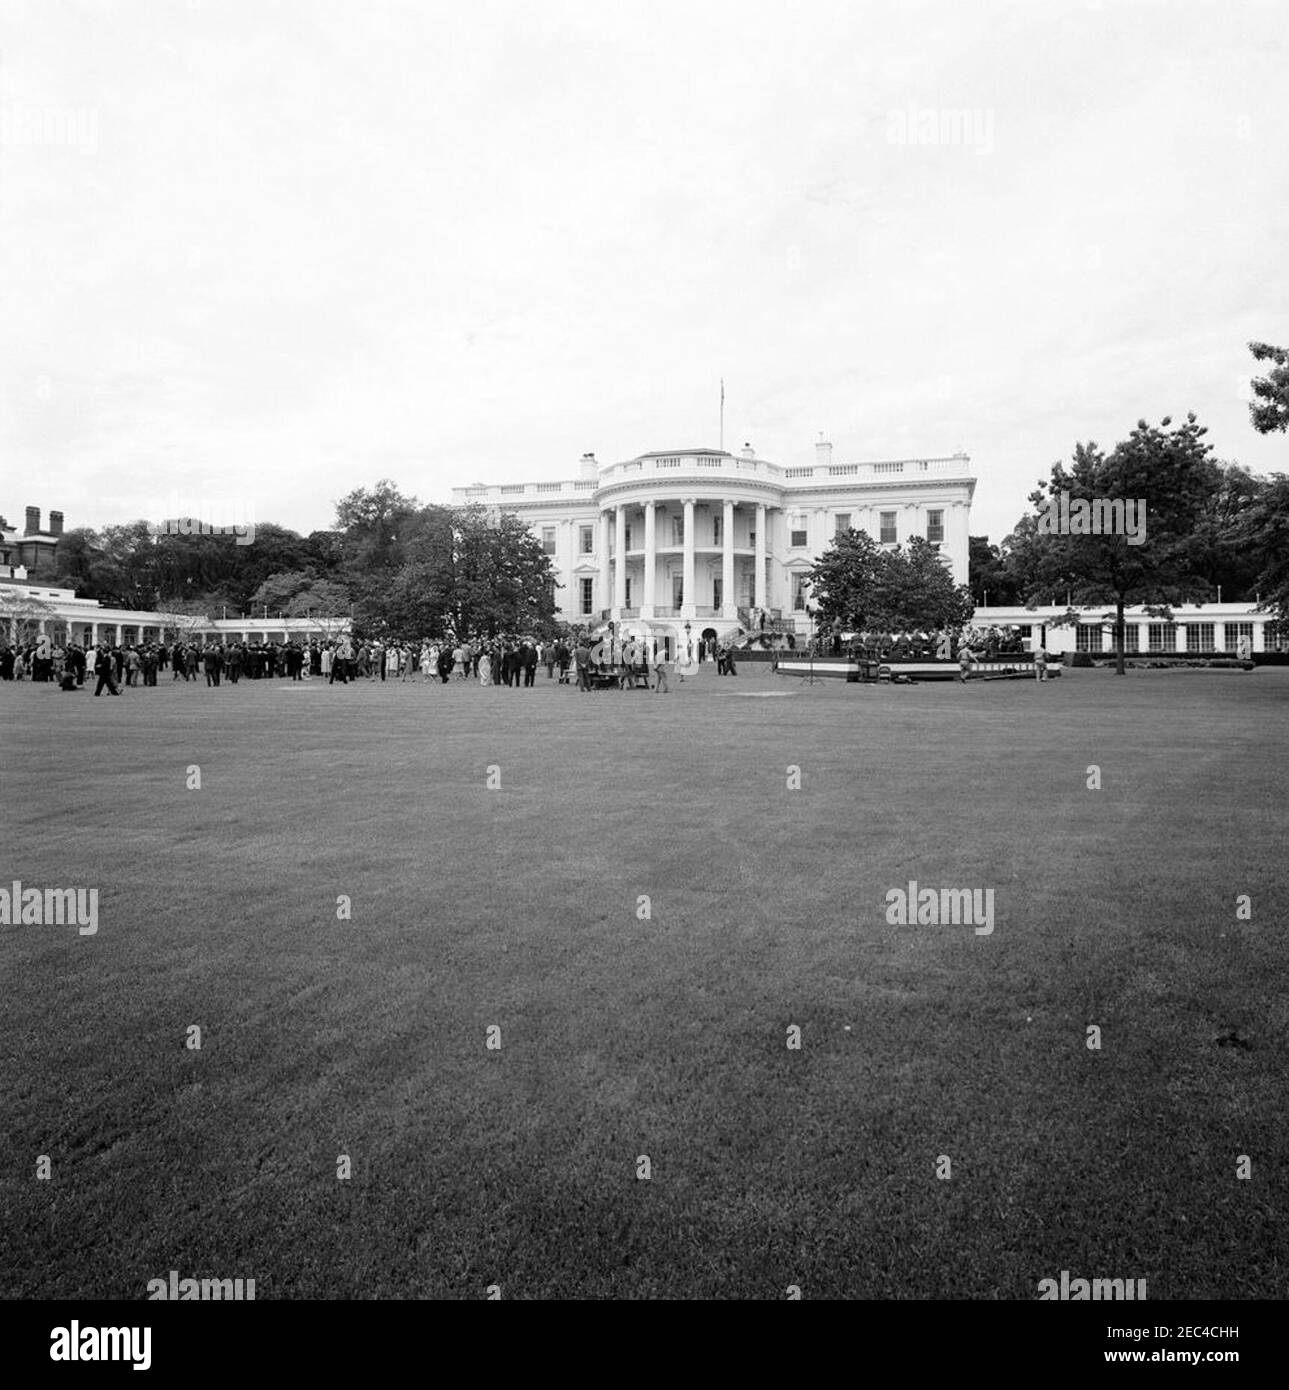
(1170, 472)
(989, 577)
(1269, 408)
(1263, 531)
(373, 525)
(1223, 554)
(915, 592)
(843, 581)
(862, 588)
(459, 570)
(299, 593)
(502, 579)
(126, 571)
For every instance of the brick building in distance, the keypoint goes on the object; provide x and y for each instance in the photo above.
(30, 549)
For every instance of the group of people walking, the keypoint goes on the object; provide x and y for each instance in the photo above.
(505, 660)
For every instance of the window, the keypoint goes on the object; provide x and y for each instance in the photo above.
(935, 526)
(587, 595)
(887, 531)
(751, 535)
(843, 523)
(799, 538)
(677, 590)
(716, 530)
(586, 542)
(1088, 637)
(799, 593)
(1199, 637)
(718, 593)
(548, 540)
(1234, 631)
(1131, 637)
(678, 530)
(627, 595)
(1163, 637)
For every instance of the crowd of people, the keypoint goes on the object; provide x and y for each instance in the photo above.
(506, 660)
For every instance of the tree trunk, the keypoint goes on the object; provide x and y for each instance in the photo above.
(1119, 636)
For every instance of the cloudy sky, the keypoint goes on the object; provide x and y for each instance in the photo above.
(260, 252)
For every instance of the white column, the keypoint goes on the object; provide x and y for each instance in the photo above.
(957, 523)
(729, 599)
(605, 598)
(650, 559)
(620, 560)
(758, 576)
(687, 574)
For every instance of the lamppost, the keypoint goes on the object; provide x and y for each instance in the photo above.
(812, 612)
(689, 647)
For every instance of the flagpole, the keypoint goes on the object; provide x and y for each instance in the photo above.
(722, 414)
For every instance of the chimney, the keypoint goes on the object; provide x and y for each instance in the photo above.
(748, 451)
(55, 523)
(823, 452)
(589, 469)
(33, 521)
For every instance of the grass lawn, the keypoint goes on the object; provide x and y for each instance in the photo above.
(665, 1037)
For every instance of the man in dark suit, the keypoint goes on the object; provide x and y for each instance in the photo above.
(103, 670)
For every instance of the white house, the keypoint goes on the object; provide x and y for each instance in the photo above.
(704, 541)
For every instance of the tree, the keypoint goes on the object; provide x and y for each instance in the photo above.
(988, 576)
(455, 570)
(1263, 532)
(1269, 409)
(371, 522)
(501, 578)
(322, 598)
(1225, 553)
(1166, 472)
(23, 612)
(859, 587)
(843, 581)
(181, 619)
(127, 575)
(915, 592)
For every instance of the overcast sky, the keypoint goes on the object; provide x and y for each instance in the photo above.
(262, 253)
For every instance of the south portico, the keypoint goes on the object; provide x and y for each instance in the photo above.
(685, 557)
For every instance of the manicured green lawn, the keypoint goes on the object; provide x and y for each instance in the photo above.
(663, 1037)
